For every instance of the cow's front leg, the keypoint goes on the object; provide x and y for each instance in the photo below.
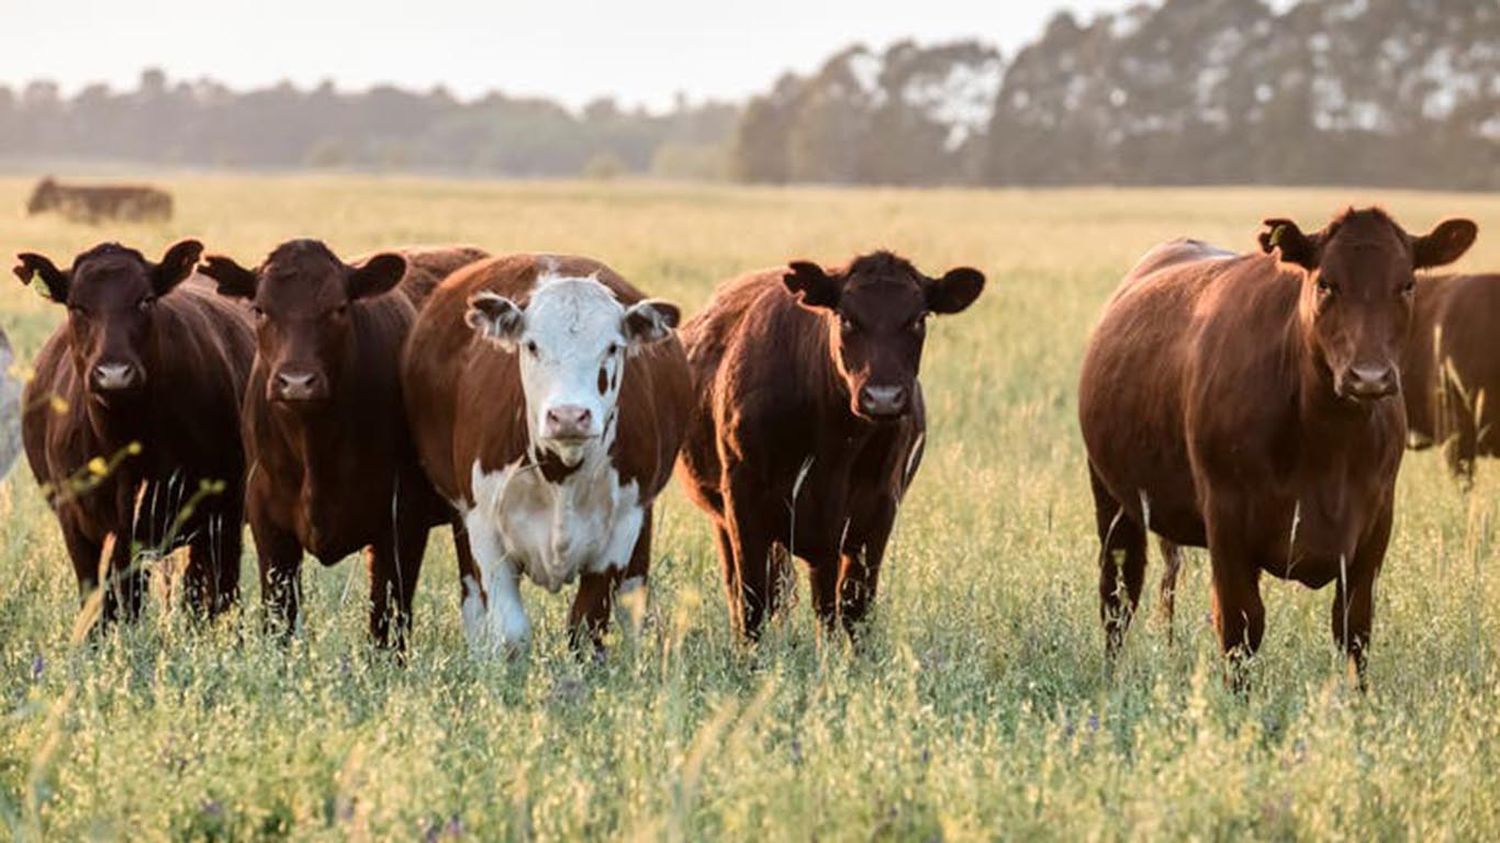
(280, 559)
(589, 618)
(1354, 600)
(859, 567)
(498, 622)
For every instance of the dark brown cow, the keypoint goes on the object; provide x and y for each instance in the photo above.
(131, 423)
(333, 470)
(1451, 371)
(548, 398)
(809, 423)
(95, 203)
(1248, 403)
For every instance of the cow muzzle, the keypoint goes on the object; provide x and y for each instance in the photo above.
(295, 386)
(110, 378)
(1369, 383)
(568, 423)
(884, 402)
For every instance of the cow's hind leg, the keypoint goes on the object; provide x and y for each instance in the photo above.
(213, 573)
(394, 568)
(1122, 565)
(751, 541)
(1171, 555)
(473, 602)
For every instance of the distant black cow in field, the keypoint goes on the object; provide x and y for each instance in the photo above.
(333, 469)
(1250, 403)
(98, 203)
(131, 423)
(1451, 371)
(808, 423)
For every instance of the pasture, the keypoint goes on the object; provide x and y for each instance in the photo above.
(979, 707)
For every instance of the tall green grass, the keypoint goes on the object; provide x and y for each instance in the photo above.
(980, 707)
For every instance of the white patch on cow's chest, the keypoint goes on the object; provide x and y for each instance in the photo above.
(521, 524)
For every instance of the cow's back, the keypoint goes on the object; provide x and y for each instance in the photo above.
(1187, 322)
(427, 266)
(733, 325)
(464, 396)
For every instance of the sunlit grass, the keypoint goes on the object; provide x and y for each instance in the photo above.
(981, 706)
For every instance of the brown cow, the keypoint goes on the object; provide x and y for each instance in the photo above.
(333, 469)
(809, 423)
(1248, 403)
(94, 203)
(131, 423)
(548, 398)
(1451, 371)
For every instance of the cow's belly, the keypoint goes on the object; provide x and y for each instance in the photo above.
(520, 524)
(553, 536)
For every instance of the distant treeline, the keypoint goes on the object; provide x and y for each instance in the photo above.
(203, 123)
(1377, 92)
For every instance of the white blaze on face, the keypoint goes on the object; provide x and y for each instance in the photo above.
(572, 340)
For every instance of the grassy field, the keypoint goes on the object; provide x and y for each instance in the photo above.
(981, 707)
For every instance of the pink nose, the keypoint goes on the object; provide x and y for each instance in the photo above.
(569, 422)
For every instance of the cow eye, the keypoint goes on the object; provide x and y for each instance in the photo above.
(846, 325)
(257, 312)
(531, 347)
(145, 304)
(1326, 287)
(1408, 288)
(916, 325)
(341, 310)
(612, 350)
(75, 310)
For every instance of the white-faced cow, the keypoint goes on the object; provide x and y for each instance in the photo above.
(548, 397)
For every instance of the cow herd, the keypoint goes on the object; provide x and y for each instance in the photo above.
(537, 405)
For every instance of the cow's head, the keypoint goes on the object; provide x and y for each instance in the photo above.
(111, 295)
(876, 311)
(301, 295)
(43, 198)
(572, 339)
(1358, 290)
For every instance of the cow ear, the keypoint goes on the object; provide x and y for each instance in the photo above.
(53, 279)
(234, 280)
(1444, 244)
(955, 291)
(496, 318)
(176, 265)
(649, 321)
(1298, 248)
(378, 275)
(811, 285)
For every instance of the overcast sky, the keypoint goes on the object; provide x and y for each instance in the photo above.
(640, 51)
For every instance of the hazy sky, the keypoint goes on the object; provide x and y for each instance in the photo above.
(572, 50)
